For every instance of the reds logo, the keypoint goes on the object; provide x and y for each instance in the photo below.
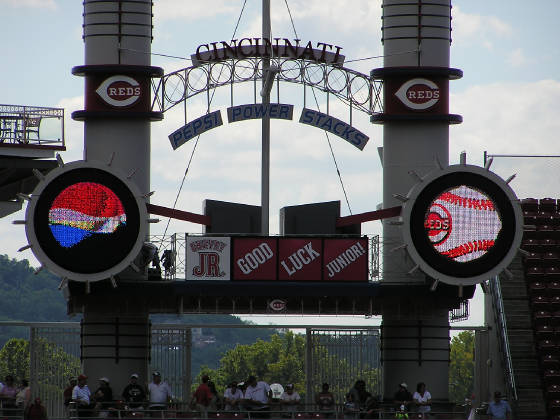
(418, 94)
(277, 305)
(438, 224)
(119, 90)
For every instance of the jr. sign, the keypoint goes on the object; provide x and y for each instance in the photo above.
(208, 258)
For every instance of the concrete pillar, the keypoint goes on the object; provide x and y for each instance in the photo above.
(416, 40)
(115, 347)
(117, 37)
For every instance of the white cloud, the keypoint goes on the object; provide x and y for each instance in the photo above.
(192, 10)
(468, 27)
(39, 4)
(511, 118)
(517, 58)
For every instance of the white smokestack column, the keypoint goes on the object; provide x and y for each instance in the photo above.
(416, 39)
(117, 36)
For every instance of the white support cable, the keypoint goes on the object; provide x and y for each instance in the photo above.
(326, 134)
(198, 137)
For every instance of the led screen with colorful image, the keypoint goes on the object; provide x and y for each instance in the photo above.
(87, 220)
(85, 209)
(462, 223)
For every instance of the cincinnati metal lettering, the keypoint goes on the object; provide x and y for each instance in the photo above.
(335, 126)
(263, 47)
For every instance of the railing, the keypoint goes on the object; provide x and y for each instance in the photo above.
(501, 324)
(31, 125)
(273, 411)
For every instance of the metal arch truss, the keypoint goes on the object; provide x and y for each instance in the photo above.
(356, 89)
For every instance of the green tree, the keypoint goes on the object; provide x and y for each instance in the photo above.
(54, 364)
(461, 368)
(14, 359)
(282, 360)
(279, 360)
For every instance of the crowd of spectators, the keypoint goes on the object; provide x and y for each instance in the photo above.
(253, 395)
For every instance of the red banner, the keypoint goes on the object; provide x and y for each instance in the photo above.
(255, 258)
(345, 260)
(299, 259)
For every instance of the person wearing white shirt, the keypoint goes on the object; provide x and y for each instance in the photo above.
(160, 393)
(82, 395)
(290, 399)
(422, 398)
(257, 394)
(232, 397)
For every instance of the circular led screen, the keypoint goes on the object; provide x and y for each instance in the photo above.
(462, 225)
(85, 223)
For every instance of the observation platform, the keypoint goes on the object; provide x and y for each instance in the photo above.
(255, 297)
(29, 138)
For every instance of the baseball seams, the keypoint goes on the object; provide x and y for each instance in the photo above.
(462, 224)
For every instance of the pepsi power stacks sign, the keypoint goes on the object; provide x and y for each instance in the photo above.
(416, 95)
(208, 258)
(195, 128)
(117, 92)
(255, 259)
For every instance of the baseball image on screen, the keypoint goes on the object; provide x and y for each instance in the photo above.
(462, 223)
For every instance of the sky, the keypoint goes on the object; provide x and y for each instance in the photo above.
(509, 98)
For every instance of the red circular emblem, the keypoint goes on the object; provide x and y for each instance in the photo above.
(438, 224)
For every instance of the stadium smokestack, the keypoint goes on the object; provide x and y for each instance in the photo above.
(416, 37)
(117, 36)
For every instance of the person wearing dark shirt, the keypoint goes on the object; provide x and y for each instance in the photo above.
(103, 396)
(68, 391)
(202, 396)
(134, 394)
(36, 411)
(403, 397)
(325, 399)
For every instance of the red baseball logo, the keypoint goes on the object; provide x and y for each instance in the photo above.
(438, 224)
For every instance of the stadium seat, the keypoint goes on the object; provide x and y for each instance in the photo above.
(530, 218)
(531, 245)
(545, 232)
(550, 259)
(540, 303)
(530, 204)
(553, 288)
(534, 259)
(547, 204)
(542, 318)
(544, 332)
(555, 318)
(554, 406)
(538, 288)
(530, 232)
(550, 361)
(551, 376)
(544, 218)
(546, 346)
(534, 274)
(551, 274)
(554, 303)
(547, 245)
(553, 391)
